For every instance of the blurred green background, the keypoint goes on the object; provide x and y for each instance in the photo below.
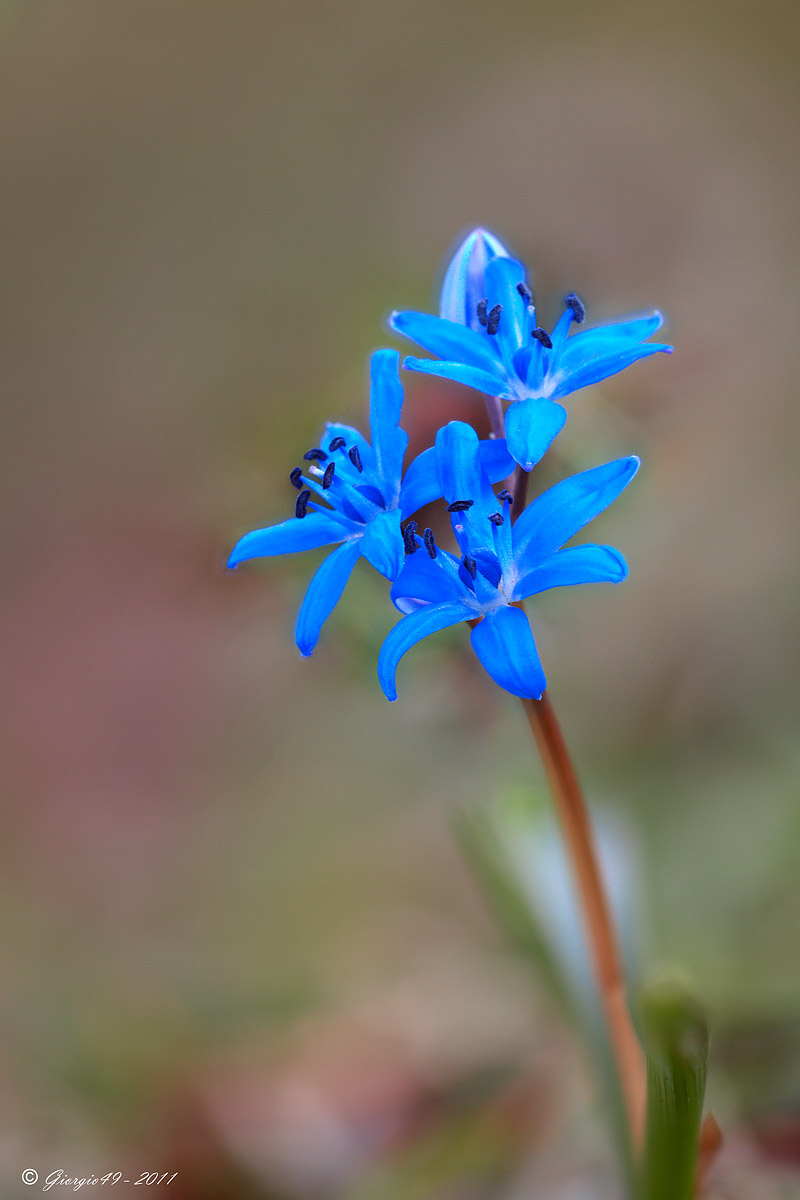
(240, 942)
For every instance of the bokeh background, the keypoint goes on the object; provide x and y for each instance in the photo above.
(239, 940)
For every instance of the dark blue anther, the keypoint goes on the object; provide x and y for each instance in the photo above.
(295, 478)
(315, 455)
(484, 320)
(430, 545)
(493, 320)
(543, 337)
(355, 458)
(409, 540)
(471, 565)
(578, 311)
(496, 518)
(525, 292)
(505, 495)
(301, 504)
(327, 478)
(336, 443)
(460, 505)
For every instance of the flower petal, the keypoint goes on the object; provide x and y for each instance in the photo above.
(448, 340)
(430, 580)
(382, 543)
(464, 283)
(504, 643)
(352, 437)
(562, 383)
(389, 441)
(555, 516)
(607, 339)
(474, 377)
(502, 277)
(531, 425)
(315, 529)
(421, 484)
(577, 564)
(323, 594)
(412, 629)
(462, 477)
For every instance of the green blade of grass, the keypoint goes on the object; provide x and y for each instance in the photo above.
(676, 1046)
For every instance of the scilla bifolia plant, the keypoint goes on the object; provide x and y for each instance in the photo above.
(357, 495)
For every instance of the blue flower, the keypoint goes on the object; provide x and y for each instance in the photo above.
(365, 495)
(487, 337)
(501, 564)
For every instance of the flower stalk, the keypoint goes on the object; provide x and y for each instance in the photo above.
(599, 927)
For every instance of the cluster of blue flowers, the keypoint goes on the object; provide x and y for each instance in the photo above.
(355, 494)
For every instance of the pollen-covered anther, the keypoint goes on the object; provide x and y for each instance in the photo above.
(470, 565)
(301, 504)
(355, 458)
(575, 305)
(496, 518)
(484, 320)
(315, 455)
(525, 292)
(327, 478)
(337, 443)
(505, 495)
(542, 336)
(409, 541)
(430, 545)
(460, 505)
(493, 319)
(296, 478)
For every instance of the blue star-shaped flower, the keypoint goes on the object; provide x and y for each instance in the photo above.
(501, 564)
(487, 337)
(366, 497)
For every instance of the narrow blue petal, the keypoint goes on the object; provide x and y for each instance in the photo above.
(389, 441)
(431, 580)
(474, 377)
(607, 339)
(554, 517)
(382, 543)
(315, 529)
(324, 593)
(531, 425)
(577, 564)
(461, 474)
(496, 459)
(448, 340)
(464, 283)
(504, 643)
(563, 383)
(502, 277)
(421, 484)
(412, 629)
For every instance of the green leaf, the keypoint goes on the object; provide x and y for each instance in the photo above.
(676, 1046)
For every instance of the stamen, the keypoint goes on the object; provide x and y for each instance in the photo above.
(543, 337)
(482, 312)
(493, 320)
(460, 505)
(336, 443)
(470, 564)
(315, 455)
(327, 478)
(295, 477)
(355, 458)
(525, 292)
(301, 504)
(505, 495)
(496, 518)
(409, 540)
(430, 545)
(578, 311)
